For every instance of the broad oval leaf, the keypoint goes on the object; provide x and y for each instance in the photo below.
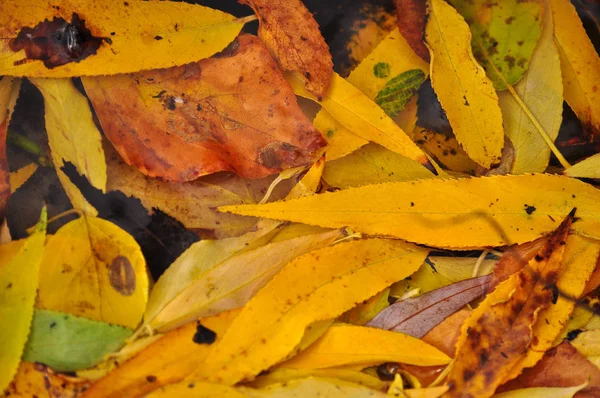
(126, 36)
(465, 92)
(461, 213)
(68, 343)
(102, 268)
(232, 112)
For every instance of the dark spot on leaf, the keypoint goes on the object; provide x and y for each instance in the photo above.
(9, 285)
(468, 375)
(381, 70)
(509, 20)
(510, 60)
(520, 42)
(573, 334)
(150, 378)
(529, 209)
(554, 291)
(122, 276)
(229, 51)
(503, 354)
(412, 204)
(204, 335)
(539, 258)
(52, 325)
(157, 37)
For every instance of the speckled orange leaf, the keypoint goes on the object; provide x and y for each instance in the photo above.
(9, 90)
(411, 22)
(498, 332)
(292, 35)
(231, 112)
(37, 380)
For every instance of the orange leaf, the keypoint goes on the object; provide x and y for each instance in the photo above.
(499, 331)
(231, 112)
(292, 35)
(37, 380)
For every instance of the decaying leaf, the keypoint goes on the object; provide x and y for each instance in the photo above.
(68, 343)
(505, 34)
(40, 39)
(37, 380)
(273, 323)
(19, 270)
(417, 316)
(580, 64)
(513, 260)
(172, 125)
(540, 96)
(411, 22)
(587, 168)
(102, 268)
(465, 92)
(73, 137)
(499, 331)
(338, 347)
(445, 150)
(9, 91)
(292, 35)
(461, 213)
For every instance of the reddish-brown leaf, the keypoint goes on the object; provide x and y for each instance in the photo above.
(417, 316)
(445, 335)
(9, 90)
(411, 22)
(234, 112)
(292, 35)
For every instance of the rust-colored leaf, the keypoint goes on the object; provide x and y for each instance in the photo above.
(499, 331)
(9, 90)
(292, 35)
(445, 335)
(37, 380)
(231, 112)
(411, 21)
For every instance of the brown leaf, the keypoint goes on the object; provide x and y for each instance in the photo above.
(234, 111)
(411, 21)
(292, 35)
(417, 316)
(561, 366)
(445, 335)
(9, 90)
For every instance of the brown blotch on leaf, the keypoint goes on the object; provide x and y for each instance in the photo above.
(122, 276)
(57, 42)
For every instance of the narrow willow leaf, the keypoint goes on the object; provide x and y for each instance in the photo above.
(273, 323)
(417, 316)
(20, 176)
(73, 137)
(587, 168)
(465, 92)
(111, 40)
(338, 347)
(19, 272)
(283, 375)
(398, 91)
(68, 343)
(461, 213)
(314, 387)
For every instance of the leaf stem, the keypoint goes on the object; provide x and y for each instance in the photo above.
(25, 144)
(247, 19)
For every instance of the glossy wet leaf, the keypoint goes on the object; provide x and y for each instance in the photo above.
(338, 347)
(19, 272)
(467, 95)
(172, 125)
(73, 137)
(9, 91)
(102, 268)
(292, 35)
(115, 38)
(458, 213)
(273, 323)
(580, 64)
(68, 343)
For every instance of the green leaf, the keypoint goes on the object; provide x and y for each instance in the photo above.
(67, 343)
(394, 96)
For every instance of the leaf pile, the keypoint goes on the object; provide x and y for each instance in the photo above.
(239, 219)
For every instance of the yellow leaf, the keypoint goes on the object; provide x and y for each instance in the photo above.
(102, 269)
(542, 392)
(430, 392)
(167, 360)
(314, 387)
(588, 168)
(273, 323)
(359, 114)
(579, 62)
(340, 140)
(338, 347)
(496, 336)
(73, 137)
(462, 213)
(129, 36)
(588, 344)
(35, 380)
(19, 270)
(20, 177)
(579, 261)
(445, 149)
(196, 390)
(465, 92)
(366, 310)
(372, 164)
(540, 91)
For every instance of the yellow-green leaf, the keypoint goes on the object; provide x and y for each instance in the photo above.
(465, 92)
(579, 62)
(102, 269)
(338, 347)
(587, 168)
(461, 213)
(399, 90)
(273, 323)
(73, 137)
(127, 36)
(540, 96)
(588, 344)
(19, 270)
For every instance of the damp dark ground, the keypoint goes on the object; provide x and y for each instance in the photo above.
(163, 238)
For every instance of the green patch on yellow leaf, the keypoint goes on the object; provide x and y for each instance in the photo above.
(394, 96)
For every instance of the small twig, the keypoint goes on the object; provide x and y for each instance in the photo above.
(25, 144)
